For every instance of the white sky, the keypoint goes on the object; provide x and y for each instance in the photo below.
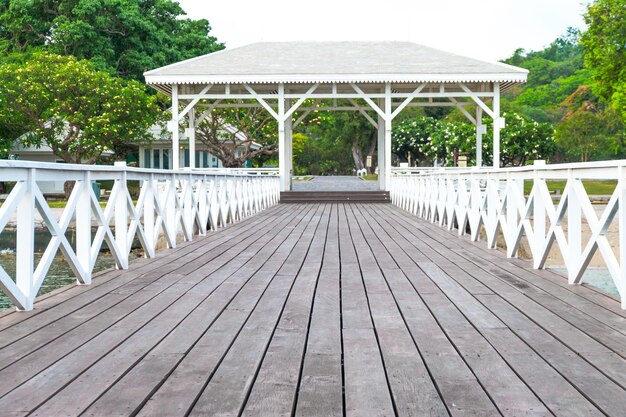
(485, 29)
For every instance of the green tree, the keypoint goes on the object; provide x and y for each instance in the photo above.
(410, 137)
(521, 141)
(604, 46)
(346, 138)
(524, 140)
(581, 136)
(232, 135)
(125, 36)
(77, 111)
(450, 137)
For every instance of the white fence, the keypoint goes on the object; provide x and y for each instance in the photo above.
(493, 200)
(169, 202)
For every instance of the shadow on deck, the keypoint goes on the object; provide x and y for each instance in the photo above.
(319, 309)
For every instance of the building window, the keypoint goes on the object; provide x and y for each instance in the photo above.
(198, 155)
(186, 160)
(166, 159)
(156, 161)
(205, 162)
(146, 158)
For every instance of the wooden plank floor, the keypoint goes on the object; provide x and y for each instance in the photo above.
(319, 310)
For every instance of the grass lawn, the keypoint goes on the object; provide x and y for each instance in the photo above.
(592, 187)
(62, 204)
(302, 178)
(370, 177)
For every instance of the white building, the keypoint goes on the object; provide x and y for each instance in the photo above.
(157, 154)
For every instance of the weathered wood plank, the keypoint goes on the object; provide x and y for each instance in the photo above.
(75, 297)
(177, 394)
(320, 391)
(273, 391)
(228, 389)
(129, 393)
(598, 344)
(413, 390)
(117, 363)
(83, 346)
(570, 402)
(366, 387)
(283, 313)
(445, 364)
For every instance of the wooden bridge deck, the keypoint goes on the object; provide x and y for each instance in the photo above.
(319, 310)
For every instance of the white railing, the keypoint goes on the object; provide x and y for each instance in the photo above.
(168, 203)
(246, 171)
(493, 201)
(423, 170)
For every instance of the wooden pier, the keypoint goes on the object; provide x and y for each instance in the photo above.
(319, 310)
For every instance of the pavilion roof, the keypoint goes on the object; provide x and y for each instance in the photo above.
(334, 62)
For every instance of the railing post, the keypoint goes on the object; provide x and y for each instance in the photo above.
(621, 280)
(169, 206)
(121, 218)
(83, 227)
(201, 196)
(187, 190)
(25, 244)
(148, 217)
(539, 214)
(574, 228)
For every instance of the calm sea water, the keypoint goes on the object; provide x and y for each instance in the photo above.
(596, 277)
(59, 274)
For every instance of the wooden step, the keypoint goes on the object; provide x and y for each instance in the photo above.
(335, 197)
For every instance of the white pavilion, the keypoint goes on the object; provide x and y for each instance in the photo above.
(291, 79)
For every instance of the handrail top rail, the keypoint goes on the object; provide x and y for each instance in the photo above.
(52, 166)
(594, 169)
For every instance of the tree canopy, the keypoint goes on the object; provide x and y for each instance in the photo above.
(232, 135)
(127, 37)
(77, 111)
(604, 45)
(64, 64)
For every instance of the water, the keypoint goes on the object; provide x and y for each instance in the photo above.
(59, 275)
(596, 277)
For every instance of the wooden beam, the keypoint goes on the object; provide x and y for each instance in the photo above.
(364, 113)
(300, 101)
(264, 103)
(408, 100)
(368, 100)
(478, 101)
(465, 112)
(195, 101)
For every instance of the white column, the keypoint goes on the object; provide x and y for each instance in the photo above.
(289, 145)
(282, 145)
(480, 131)
(621, 217)
(142, 160)
(173, 128)
(25, 245)
(381, 150)
(388, 118)
(148, 216)
(121, 218)
(498, 123)
(83, 227)
(190, 132)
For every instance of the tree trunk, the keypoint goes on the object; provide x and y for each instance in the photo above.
(357, 155)
(68, 187)
(372, 150)
(233, 163)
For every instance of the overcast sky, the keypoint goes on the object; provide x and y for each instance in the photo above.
(485, 29)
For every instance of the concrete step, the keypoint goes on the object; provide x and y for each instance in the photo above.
(335, 197)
